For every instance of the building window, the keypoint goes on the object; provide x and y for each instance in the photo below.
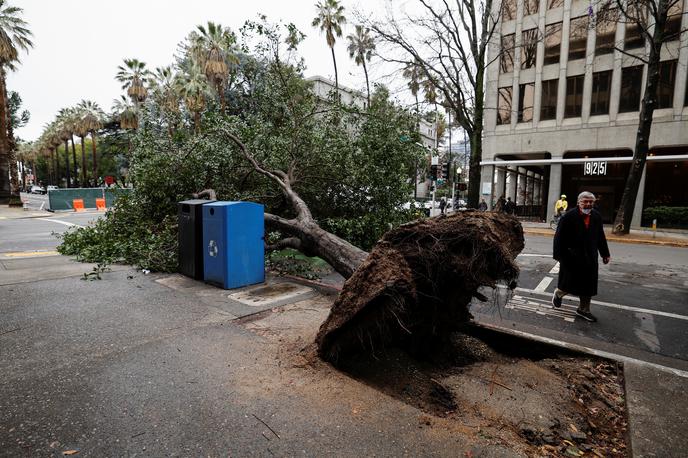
(529, 40)
(551, 4)
(631, 83)
(634, 32)
(507, 57)
(548, 108)
(605, 30)
(574, 96)
(578, 37)
(504, 106)
(526, 96)
(530, 7)
(508, 10)
(672, 30)
(665, 85)
(601, 87)
(552, 43)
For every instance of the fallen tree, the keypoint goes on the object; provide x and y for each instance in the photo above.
(416, 286)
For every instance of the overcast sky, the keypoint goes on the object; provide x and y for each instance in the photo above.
(78, 45)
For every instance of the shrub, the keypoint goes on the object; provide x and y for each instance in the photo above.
(674, 217)
(126, 235)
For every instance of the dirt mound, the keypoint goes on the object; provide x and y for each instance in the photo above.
(415, 287)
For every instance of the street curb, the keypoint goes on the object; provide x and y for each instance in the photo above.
(672, 243)
(316, 284)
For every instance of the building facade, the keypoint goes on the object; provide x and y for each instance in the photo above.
(563, 109)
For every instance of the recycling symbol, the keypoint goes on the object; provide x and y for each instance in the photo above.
(212, 248)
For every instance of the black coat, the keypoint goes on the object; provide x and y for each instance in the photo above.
(576, 248)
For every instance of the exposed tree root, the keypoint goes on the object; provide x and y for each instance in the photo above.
(416, 285)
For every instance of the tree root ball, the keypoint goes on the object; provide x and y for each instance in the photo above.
(416, 286)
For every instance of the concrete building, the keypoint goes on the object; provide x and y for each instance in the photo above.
(563, 109)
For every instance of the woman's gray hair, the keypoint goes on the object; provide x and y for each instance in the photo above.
(586, 195)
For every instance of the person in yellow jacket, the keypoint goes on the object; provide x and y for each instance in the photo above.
(561, 205)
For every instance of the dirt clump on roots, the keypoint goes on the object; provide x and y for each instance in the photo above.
(416, 286)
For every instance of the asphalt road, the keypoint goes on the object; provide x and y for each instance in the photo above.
(642, 305)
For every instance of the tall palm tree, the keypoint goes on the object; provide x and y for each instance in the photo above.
(330, 19)
(194, 90)
(64, 132)
(213, 50)
(91, 121)
(361, 47)
(127, 114)
(14, 37)
(413, 74)
(166, 96)
(134, 75)
(69, 119)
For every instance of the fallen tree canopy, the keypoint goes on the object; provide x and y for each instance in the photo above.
(416, 285)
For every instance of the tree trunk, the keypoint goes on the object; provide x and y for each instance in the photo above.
(622, 223)
(83, 162)
(95, 161)
(336, 77)
(4, 150)
(365, 72)
(15, 197)
(312, 240)
(66, 150)
(476, 137)
(75, 163)
(53, 166)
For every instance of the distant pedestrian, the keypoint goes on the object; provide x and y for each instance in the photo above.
(443, 205)
(577, 242)
(482, 206)
(499, 206)
(509, 206)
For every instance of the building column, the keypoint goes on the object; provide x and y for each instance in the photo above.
(554, 188)
(500, 182)
(638, 208)
(522, 181)
(530, 188)
(537, 183)
(486, 189)
(510, 190)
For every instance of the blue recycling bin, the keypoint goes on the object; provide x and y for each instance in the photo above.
(234, 251)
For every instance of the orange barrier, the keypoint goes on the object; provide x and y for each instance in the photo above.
(100, 204)
(78, 205)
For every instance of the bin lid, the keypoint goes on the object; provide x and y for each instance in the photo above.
(222, 203)
(195, 202)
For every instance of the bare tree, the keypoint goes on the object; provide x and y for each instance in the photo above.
(655, 21)
(448, 41)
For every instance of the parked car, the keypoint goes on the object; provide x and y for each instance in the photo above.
(51, 187)
(36, 189)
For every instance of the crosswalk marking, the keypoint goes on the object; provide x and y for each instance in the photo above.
(541, 307)
(544, 283)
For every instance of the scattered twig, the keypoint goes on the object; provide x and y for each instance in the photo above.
(139, 434)
(266, 437)
(11, 330)
(268, 426)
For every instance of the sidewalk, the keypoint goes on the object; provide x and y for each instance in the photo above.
(19, 212)
(675, 238)
(153, 364)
